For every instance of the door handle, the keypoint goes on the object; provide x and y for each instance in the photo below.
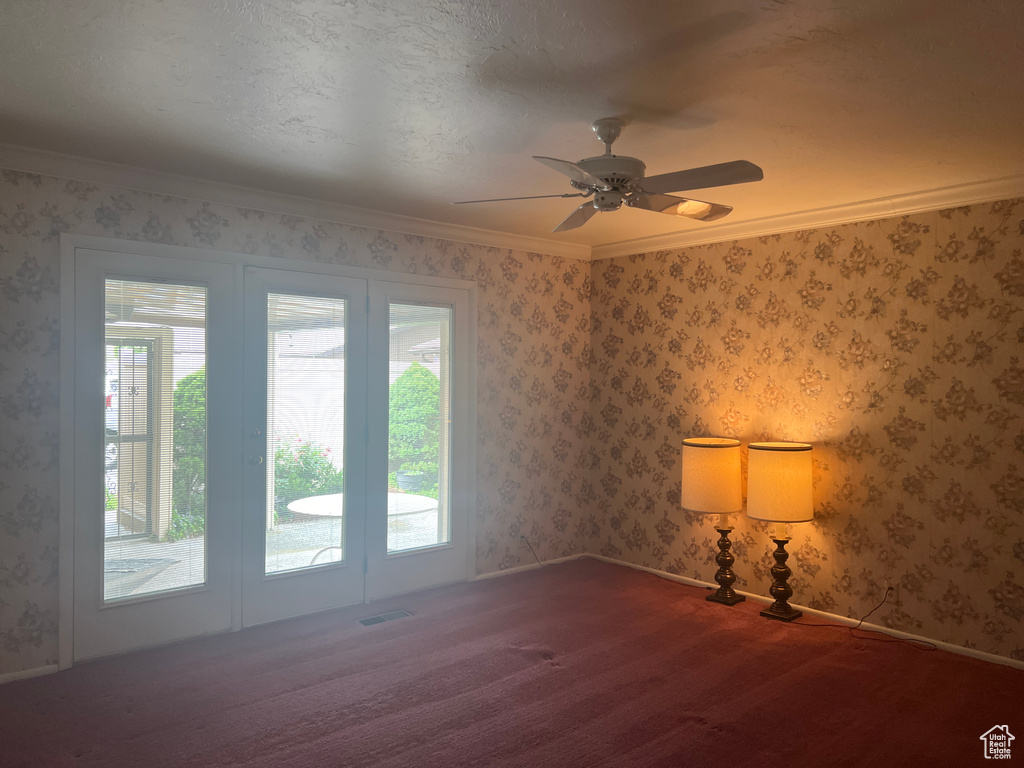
(255, 460)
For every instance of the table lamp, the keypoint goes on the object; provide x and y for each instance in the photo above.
(779, 490)
(712, 486)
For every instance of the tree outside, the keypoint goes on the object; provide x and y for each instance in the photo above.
(414, 414)
(188, 488)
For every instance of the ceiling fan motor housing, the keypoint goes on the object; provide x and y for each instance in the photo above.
(615, 170)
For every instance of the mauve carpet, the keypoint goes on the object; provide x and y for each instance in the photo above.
(579, 664)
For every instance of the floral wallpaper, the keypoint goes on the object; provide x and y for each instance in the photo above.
(532, 379)
(895, 348)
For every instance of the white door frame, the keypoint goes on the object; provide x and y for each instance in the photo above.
(70, 243)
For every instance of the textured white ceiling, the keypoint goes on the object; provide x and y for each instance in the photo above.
(404, 106)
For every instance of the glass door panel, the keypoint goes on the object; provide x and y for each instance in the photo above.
(419, 426)
(306, 431)
(154, 438)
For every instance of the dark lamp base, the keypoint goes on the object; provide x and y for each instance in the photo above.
(725, 599)
(789, 615)
(781, 610)
(725, 594)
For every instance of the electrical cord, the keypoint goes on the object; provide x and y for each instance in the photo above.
(545, 565)
(886, 596)
(921, 645)
(542, 565)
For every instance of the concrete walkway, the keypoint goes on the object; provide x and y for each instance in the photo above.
(138, 566)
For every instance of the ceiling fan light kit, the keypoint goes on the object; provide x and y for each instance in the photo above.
(616, 179)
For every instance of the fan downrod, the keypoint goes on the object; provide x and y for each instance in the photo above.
(607, 130)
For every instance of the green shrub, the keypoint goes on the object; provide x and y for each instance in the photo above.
(301, 469)
(414, 428)
(185, 527)
(188, 488)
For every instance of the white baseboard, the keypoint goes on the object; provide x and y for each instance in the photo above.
(22, 674)
(958, 649)
(530, 567)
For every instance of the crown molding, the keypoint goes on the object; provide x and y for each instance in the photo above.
(45, 163)
(1002, 188)
(100, 172)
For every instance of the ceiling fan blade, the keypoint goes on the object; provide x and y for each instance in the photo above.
(680, 206)
(720, 175)
(574, 172)
(577, 218)
(530, 197)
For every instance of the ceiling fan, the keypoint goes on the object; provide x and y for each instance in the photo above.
(616, 179)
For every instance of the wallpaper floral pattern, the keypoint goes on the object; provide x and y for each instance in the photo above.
(532, 378)
(895, 348)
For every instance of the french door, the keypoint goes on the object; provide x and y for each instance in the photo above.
(254, 442)
(152, 546)
(305, 459)
(419, 495)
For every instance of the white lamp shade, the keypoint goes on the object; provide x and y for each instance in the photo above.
(711, 475)
(779, 485)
